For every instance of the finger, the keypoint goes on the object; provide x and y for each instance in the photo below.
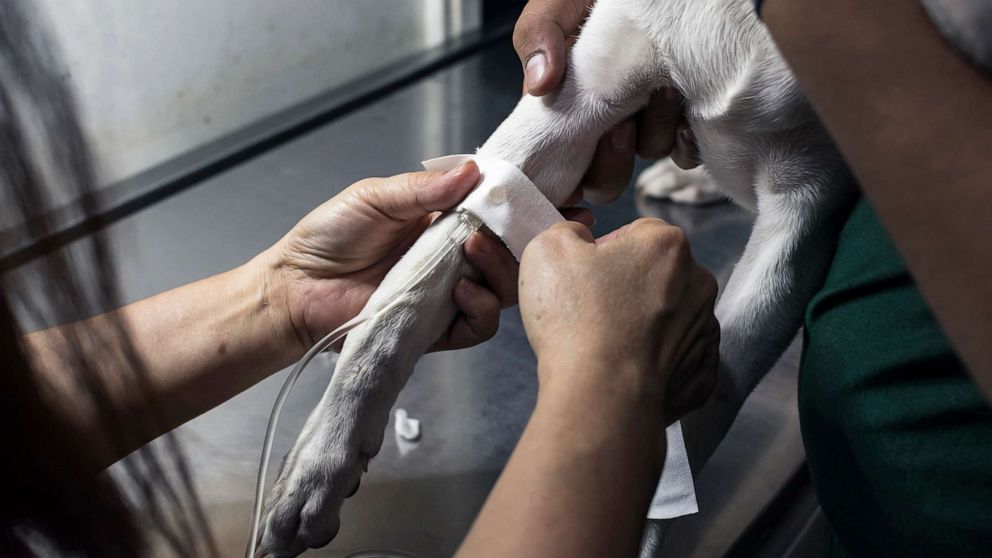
(497, 265)
(612, 166)
(408, 196)
(657, 123)
(686, 153)
(479, 319)
(580, 215)
(539, 38)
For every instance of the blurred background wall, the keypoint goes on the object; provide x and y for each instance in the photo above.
(157, 78)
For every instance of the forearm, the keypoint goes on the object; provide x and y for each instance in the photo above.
(199, 345)
(581, 478)
(912, 119)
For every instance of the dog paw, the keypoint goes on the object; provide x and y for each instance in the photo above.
(665, 180)
(303, 508)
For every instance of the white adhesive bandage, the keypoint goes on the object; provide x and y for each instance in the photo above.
(516, 211)
(505, 200)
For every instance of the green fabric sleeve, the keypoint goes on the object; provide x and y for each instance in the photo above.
(898, 437)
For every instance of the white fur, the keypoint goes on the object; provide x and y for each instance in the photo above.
(760, 143)
(665, 180)
(967, 24)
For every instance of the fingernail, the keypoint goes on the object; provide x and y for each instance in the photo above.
(456, 171)
(537, 66)
(456, 177)
(670, 94)
(622, 136)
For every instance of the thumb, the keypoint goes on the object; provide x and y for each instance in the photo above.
(539, 39)
(409, 196)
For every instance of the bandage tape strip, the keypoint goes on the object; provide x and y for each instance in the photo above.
(505, 200)
(512, 207)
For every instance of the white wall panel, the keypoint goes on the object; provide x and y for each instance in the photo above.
(156, 78)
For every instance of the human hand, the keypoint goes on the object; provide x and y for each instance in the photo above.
(630, 313)
(543, 36)
(329, 264)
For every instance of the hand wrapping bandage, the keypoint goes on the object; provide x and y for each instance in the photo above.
(509, 204)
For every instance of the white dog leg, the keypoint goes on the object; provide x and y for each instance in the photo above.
(346, 428)
(763, 304)
(762, 307)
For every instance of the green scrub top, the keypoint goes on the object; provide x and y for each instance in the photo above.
(898, 437)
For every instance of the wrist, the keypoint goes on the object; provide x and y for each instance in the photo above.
(598, 360)
(270, 301)
(607, 400)
(604, 383)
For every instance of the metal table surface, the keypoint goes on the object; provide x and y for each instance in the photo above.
(473, 403)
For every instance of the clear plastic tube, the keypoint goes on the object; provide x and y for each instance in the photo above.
(467, 224)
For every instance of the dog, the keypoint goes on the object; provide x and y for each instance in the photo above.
(759, 141)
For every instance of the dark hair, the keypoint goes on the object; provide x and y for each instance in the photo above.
(56, 499)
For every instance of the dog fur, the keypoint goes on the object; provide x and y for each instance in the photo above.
(665, 180)
(758, 139)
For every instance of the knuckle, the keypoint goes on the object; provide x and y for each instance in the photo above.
(670, 237)
(565, 230)
(649, 225)
(678, 237)
(366, 183)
